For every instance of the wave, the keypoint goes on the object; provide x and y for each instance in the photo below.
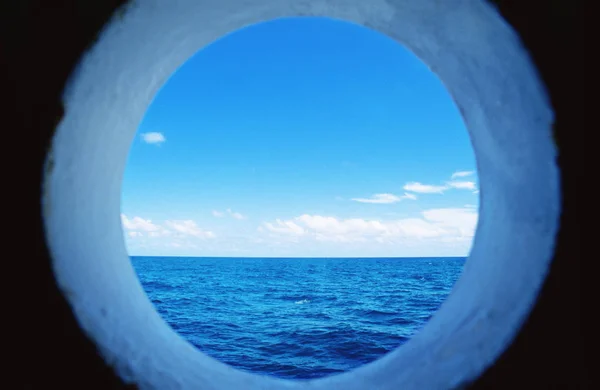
(344, 318)
(378, 313)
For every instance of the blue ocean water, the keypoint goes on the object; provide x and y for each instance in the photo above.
(297, 318)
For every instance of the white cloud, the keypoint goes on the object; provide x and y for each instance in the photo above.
(283, 227)
(462, 220)
(421, 188)
(461, 174)
(161, 233)
(424, 188)
(153, 138)
(385, 198)
(137, 223)
(190, 228)
(231, 213)
(235, 215)
(462, 185)
(443, 225)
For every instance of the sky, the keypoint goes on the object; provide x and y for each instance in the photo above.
(301, 137)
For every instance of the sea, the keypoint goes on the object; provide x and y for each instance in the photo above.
(297, 318)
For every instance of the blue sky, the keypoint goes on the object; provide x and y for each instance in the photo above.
(301, 137)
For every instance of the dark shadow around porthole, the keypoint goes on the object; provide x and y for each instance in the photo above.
(504, 106)
(296, 207)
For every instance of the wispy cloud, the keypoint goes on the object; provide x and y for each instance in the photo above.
(461, 174)
(137, 223)
(161, 233)
(421, 188)
(284, 227)
(443, 225)
(424, 188)
(458, 220)
(235, 215)
(138, 227)
(230, 212)
(462, 185)
(153, 138)
(385, 198)
(190, 228)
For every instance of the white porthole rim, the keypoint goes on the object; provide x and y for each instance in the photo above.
(82, 201)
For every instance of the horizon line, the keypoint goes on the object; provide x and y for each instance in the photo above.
(304, 257)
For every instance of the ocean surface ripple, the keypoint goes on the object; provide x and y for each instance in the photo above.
(297, 318)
